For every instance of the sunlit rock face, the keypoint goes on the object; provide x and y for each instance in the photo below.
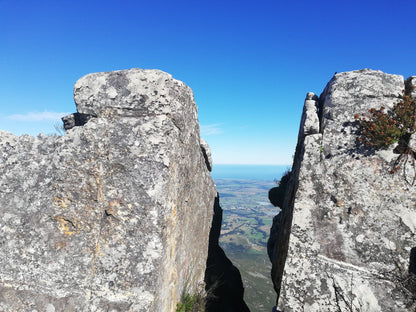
(116, 214)
(345, 239)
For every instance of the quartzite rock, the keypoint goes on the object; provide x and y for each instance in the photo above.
(116, 214)
(352, 223)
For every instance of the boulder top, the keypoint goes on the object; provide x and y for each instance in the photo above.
(130, 93)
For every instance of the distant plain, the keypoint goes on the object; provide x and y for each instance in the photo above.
(247, 218)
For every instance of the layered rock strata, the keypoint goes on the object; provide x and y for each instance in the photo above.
(116, 214)
(345, 237)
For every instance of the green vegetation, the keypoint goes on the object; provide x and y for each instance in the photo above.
(59, 130)
(380, 129)
(277, 194)
(191, 303)
(247, 218)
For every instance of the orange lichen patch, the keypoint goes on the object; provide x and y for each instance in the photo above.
(97, 250)
(174, 211)
(62, 202)
(114, 203)
(60, 245)
(113, 206)
(66, 226)
(340, 203)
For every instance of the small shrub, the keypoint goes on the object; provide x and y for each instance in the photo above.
(277, 194)
(59, 130)
(380, 129)
(191, 303)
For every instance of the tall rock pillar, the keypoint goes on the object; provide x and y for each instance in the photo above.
(347, 223)
(116, 214)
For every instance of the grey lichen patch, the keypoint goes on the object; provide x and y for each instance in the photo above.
(351, 223)
(116, 85)
(97, 219)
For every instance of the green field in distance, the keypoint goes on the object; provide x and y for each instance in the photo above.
(247, 219)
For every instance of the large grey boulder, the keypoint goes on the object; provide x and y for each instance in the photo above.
(116, 214)
(345, 238)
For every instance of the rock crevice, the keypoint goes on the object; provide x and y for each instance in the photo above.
(225, 290)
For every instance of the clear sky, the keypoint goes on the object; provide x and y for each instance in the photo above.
(249, 63)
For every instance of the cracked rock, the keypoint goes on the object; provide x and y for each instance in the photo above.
(114, 215)
(345, 237)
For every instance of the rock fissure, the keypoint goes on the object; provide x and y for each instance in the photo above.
(222, 279)
(131, 200)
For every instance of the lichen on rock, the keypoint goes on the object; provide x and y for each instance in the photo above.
(344, 238)
(114, 215)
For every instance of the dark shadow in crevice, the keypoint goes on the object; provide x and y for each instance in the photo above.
(410, 280)
(412, 261)
(76, 120)
(223, 283)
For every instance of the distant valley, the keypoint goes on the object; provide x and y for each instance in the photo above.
(246, 224)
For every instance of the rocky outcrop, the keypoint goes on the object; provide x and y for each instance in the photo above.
(345, 237)
(116, 214)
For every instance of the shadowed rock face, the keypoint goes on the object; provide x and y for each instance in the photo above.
(116, 214)
(345, 238)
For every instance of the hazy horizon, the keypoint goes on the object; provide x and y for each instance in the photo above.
(249, 172)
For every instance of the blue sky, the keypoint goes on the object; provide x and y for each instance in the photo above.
(249, 63)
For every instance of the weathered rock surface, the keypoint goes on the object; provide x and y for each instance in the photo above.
(345, 238)
(116, 214)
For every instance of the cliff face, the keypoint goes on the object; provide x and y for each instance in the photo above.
(116, 214)
(345, 238)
